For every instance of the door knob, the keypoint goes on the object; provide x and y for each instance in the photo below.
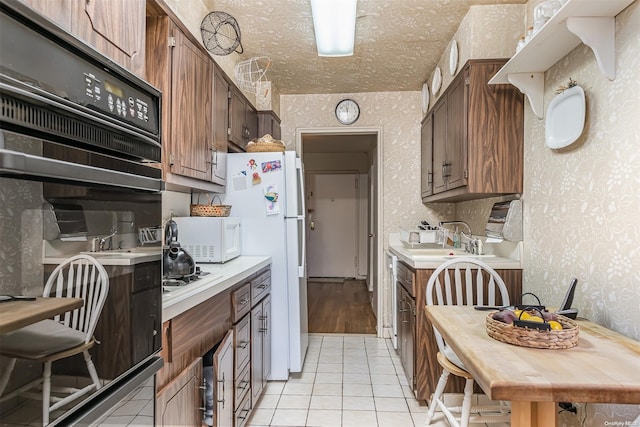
(371, 236)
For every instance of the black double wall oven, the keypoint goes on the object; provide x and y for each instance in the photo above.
(79, 137)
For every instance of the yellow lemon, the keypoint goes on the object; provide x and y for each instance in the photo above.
(535, 319)
(523, 315)
(556, 326)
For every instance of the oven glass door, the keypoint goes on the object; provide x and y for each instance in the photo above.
(47, 219)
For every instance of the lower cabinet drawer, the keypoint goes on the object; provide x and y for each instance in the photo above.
(241, 415)
(240, 302)
(242, 341)
(243, 386)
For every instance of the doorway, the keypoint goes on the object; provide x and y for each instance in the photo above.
(332, 238)
(342, 181)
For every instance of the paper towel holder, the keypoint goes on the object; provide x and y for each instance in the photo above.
(505, 221)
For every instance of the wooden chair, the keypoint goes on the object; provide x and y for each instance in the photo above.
(68, 334)
(463, 281)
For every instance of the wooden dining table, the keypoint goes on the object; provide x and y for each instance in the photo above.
(17, 314)
(604, 367)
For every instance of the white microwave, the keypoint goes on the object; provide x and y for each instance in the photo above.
(210, 239)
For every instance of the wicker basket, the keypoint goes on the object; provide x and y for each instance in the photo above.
(265, 144)
(210, 209)
(535, 338)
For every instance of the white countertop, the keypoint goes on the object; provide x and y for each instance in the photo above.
(220, 278)
(130, 256)
(507, 260)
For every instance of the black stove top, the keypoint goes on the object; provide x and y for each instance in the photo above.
(169, 284)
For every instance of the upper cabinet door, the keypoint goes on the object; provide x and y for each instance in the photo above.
(220, 125)
(114, 27)
(426, 151)
(456, 151)
(191, 105)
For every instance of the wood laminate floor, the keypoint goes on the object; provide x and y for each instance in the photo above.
(340, 307)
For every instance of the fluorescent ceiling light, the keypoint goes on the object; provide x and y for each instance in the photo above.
(334, 23)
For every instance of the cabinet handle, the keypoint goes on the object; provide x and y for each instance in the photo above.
(429, 177)
(244, 301)
(243, 344)
(262, 286)
(445, 170)
(222, 381)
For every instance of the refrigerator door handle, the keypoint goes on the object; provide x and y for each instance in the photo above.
(301, 194)
(301, 217)
(303, 258)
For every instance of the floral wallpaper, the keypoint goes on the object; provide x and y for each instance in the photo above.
(580, 203)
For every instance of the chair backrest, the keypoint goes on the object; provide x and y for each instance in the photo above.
(464, 281)
(80, 276)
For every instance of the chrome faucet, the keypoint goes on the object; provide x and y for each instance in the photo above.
(103, 241)
(441, 223)
(473, 246)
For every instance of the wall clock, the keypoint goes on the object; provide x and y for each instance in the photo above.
(347, 111)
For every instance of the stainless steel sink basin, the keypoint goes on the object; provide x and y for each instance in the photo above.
(435, 252)
(439, 252)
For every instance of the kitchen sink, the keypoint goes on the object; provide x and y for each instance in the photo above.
(125, 253)
(438, 252)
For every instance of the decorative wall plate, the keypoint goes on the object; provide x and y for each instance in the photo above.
(565, 118)
(425, 97)
(453, 58)
(437, 81)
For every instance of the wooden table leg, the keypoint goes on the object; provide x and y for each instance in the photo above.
(533, 414)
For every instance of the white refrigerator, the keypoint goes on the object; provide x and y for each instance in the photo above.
(266, 190)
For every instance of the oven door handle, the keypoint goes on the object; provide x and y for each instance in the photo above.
(17, 163)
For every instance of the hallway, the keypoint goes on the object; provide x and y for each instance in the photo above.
(340, 306)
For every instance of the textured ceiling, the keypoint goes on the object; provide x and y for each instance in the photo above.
(398, 42)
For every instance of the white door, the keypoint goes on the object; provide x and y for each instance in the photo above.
(332, 225)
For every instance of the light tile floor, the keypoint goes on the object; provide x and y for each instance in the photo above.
(347, 380)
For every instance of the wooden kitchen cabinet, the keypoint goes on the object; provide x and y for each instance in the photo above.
(116, 28)
(260, 346)
(269, 123)
(223, 322)
(191, 137)
(477, 137)
(406, 321)
(423, 349)
(243, 120)
(177, 403)
(194, 106)
(223, 380)
(426, 156)
(220, 125)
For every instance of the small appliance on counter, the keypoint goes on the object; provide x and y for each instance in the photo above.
(211, 239)
(177, 263)
(423, 233)
(505, 221)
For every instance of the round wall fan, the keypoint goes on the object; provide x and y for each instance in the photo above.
(221, 33)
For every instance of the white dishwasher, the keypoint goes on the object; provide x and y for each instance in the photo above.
(392, 266)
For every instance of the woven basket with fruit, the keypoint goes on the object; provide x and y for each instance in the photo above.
(532, 327)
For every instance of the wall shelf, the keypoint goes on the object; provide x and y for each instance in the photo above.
(591, 22)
